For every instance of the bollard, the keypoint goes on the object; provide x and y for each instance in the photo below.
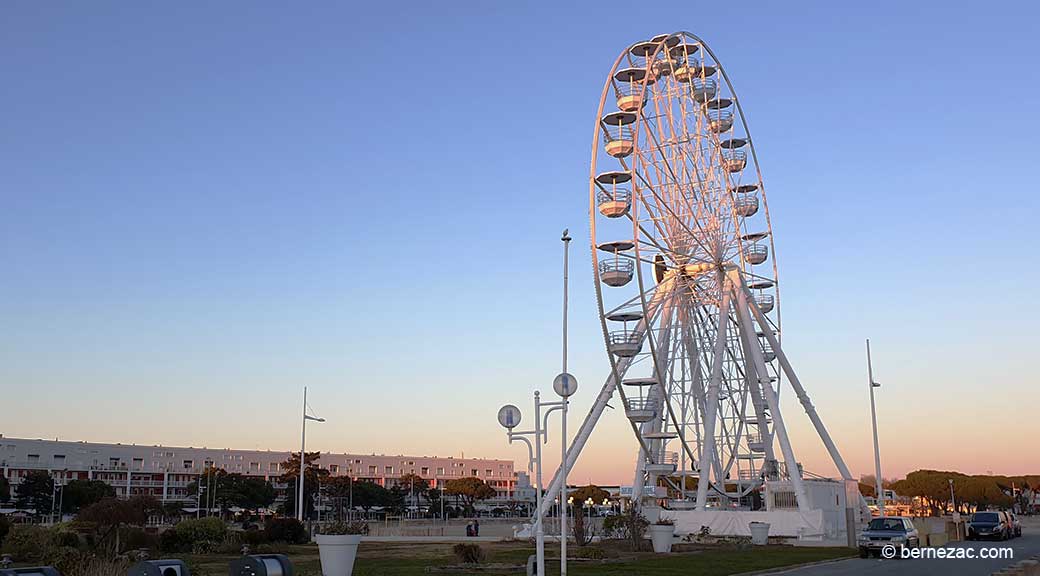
(36, 571)
(262, 565)
(159, 568)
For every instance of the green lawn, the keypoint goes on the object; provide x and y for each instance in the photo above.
(400, 559)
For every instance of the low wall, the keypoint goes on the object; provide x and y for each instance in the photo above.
(786, 523)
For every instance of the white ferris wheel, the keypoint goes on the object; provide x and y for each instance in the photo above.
(686, 283)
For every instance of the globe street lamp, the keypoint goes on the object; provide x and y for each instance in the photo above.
(509, 417)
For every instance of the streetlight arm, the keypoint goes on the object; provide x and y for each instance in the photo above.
(522, 436)
(545, 419)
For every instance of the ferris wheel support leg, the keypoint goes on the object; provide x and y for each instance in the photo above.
(803, 398)
(708, 451)
(751, 373)
(659, 396)
(779, 429)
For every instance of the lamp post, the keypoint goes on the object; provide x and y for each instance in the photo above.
(877, 451)
(303, 454)
(509, 417)
(565, 385)
(953, 501)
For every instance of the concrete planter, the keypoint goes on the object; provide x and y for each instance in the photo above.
(337, 553)
(661, 536)
(759, 533)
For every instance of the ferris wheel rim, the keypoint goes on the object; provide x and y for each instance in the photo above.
(643, 291)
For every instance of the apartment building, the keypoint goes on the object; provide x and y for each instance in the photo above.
(166, 471)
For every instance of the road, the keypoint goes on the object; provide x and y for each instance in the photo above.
(1026, 546)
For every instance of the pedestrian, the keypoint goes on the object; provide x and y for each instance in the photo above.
(469, 529)
(476, 527)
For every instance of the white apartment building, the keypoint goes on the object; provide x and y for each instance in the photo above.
(166, 471)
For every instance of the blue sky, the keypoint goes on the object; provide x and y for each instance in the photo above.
(208, 206)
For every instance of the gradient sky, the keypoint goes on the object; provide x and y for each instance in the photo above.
(208, 206)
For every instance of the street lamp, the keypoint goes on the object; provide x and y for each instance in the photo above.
(303, 453)
(509, 417)
(565, 385)
(877, 451)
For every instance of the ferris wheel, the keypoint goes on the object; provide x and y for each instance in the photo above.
(686, 282)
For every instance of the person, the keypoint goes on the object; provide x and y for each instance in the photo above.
(469, 529)
(476, 527)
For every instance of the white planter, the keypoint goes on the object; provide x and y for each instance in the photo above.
(661, 535)
(759, 533)
(337, 552)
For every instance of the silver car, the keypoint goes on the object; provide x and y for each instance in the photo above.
(897, 531)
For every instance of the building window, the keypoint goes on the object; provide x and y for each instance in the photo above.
(34, 458)
(189, 464)
(473, 472)
(372, 470)
(272, 467)
(440, 471)
(254, 466)
(388, 469)
(424, 471)
(333, 469)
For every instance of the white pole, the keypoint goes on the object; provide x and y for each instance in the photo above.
(539, 529)
(877, 450)
(712, 404)
(563, 445)
(303, 458)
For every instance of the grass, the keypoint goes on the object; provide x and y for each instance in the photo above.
(411, 559)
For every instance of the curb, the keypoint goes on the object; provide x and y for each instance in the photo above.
(791, 567)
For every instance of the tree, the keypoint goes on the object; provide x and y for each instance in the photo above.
(582, 529)
(339, 489)
(5, 489)
(369, 494)
(226, 490)
(471, 490)
(78, 494)
(312, 476)
(253, 493)
(109, 514)
(36, 491)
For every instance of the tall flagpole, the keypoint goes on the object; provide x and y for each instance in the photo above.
(303, 458)
(563, 445)
(877, 450)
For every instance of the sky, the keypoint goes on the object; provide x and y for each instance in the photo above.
(207, 207)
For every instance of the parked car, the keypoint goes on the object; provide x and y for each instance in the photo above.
(896, 531)
(989, 524)
(1016, 525)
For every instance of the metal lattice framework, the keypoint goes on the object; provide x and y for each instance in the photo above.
(686, 280)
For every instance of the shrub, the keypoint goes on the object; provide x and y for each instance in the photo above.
(341, 528)
(134, 538)
(170, 541)
(5, 527)
(252, 538)
(468, 553)
(288, 530)
(209, 529)
(28, 543)
(586, 552)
